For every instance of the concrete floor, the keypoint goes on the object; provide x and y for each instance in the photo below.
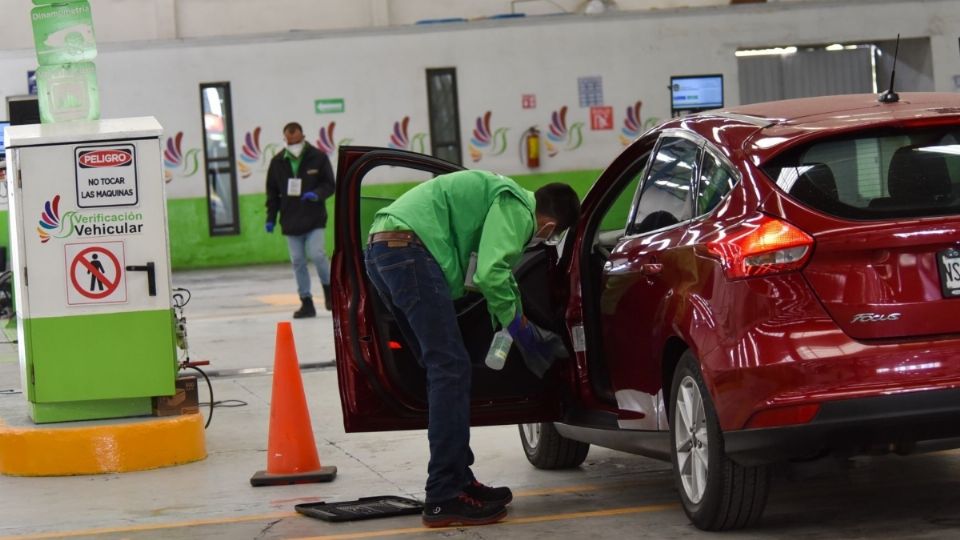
(232, 319)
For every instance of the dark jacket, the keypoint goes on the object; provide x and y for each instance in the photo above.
(296, 215)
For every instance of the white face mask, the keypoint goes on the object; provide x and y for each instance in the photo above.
(295, 149)
(539, 237)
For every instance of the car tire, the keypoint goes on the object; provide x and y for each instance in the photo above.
(717, 494)
(547, 449)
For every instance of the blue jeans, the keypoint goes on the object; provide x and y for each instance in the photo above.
(308, 245)
(412, 285)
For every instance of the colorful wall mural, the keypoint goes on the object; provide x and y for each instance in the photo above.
(486, 141)
(400, 138)
(560, 137)
(325, 142)
(252, 157)
(632, 126)
(176, 162)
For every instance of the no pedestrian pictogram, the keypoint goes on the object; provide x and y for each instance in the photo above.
(95, 273)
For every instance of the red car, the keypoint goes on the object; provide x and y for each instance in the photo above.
(768, 283)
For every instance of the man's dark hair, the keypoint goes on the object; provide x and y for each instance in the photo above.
(292, 126)
(560, 202)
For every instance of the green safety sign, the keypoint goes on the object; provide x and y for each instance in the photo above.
(327, 106)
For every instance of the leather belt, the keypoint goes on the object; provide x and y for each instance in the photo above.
(396, 238)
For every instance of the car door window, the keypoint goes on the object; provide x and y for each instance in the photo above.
(667, 194)
(716, 180)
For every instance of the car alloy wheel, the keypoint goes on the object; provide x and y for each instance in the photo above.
(717, 493)
(531, 434)
(546, 448)
(692, 442)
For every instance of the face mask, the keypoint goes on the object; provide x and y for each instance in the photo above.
(295, 149)
(540, 236)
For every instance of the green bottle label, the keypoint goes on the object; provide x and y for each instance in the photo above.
(63, 33)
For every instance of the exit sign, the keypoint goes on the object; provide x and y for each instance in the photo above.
(328, 106)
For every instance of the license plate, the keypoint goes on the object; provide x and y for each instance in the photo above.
(949, 263)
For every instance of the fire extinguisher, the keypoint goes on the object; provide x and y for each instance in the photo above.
(530, 147)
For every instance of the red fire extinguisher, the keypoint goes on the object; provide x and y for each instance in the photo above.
(530, 148)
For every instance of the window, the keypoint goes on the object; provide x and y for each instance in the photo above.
(667, 197)
(219, 157)
(444, 114)
(716, 180)
(902, 174)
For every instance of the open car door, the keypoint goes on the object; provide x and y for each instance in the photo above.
(382, 386)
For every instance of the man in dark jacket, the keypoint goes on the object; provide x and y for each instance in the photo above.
(299, 181)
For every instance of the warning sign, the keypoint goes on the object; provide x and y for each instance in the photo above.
(601, 118)
(106, 176)
(95, 273)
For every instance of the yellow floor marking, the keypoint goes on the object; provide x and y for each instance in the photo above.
(280, 299)
(558, 490)
(156, 526)
(508, 521)
(582, 488)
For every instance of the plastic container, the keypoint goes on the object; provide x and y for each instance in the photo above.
(68, 92)
(63, 33)
(499, 349)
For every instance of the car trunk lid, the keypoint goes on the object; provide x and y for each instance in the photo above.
(887, 282)
(883, 207)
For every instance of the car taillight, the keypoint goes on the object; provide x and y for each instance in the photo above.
(761, 246)
(783, 416)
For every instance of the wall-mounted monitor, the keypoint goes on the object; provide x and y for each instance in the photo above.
(2, 145)
(696, 92)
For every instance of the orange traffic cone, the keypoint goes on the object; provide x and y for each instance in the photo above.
(291, 450)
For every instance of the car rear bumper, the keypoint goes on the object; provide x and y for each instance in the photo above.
(897, 422)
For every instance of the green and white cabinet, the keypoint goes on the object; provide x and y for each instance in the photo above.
(91, 262)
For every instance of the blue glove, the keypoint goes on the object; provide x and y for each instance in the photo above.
(538, 347)
(269, 227)
(525, 336)
(310, 196)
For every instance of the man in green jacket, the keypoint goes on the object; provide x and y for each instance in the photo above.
(419, 252)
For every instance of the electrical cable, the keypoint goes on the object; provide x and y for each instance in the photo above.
(10, 392)
(227, 403)
(179, 300)
(210, 388)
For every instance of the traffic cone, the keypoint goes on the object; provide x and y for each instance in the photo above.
(291, 451)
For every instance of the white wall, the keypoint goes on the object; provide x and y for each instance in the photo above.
(381, 74)
(147, 20)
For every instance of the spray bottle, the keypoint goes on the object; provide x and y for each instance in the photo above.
(499, 349)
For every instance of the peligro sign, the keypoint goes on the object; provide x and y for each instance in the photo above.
(107, 176)
(104, 158)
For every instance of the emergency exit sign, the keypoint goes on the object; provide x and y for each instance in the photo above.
(328, 106)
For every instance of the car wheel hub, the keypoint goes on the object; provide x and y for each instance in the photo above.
(692, 443)
(531, 432)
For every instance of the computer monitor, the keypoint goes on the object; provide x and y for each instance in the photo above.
(22, 110)
(696, 92)
(2, 145)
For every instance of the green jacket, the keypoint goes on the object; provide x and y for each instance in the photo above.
(467, 212)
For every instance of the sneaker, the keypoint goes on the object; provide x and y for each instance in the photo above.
(460, 511)
(489, 495)
(306, 309)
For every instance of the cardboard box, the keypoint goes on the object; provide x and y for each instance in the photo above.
(184, 401)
